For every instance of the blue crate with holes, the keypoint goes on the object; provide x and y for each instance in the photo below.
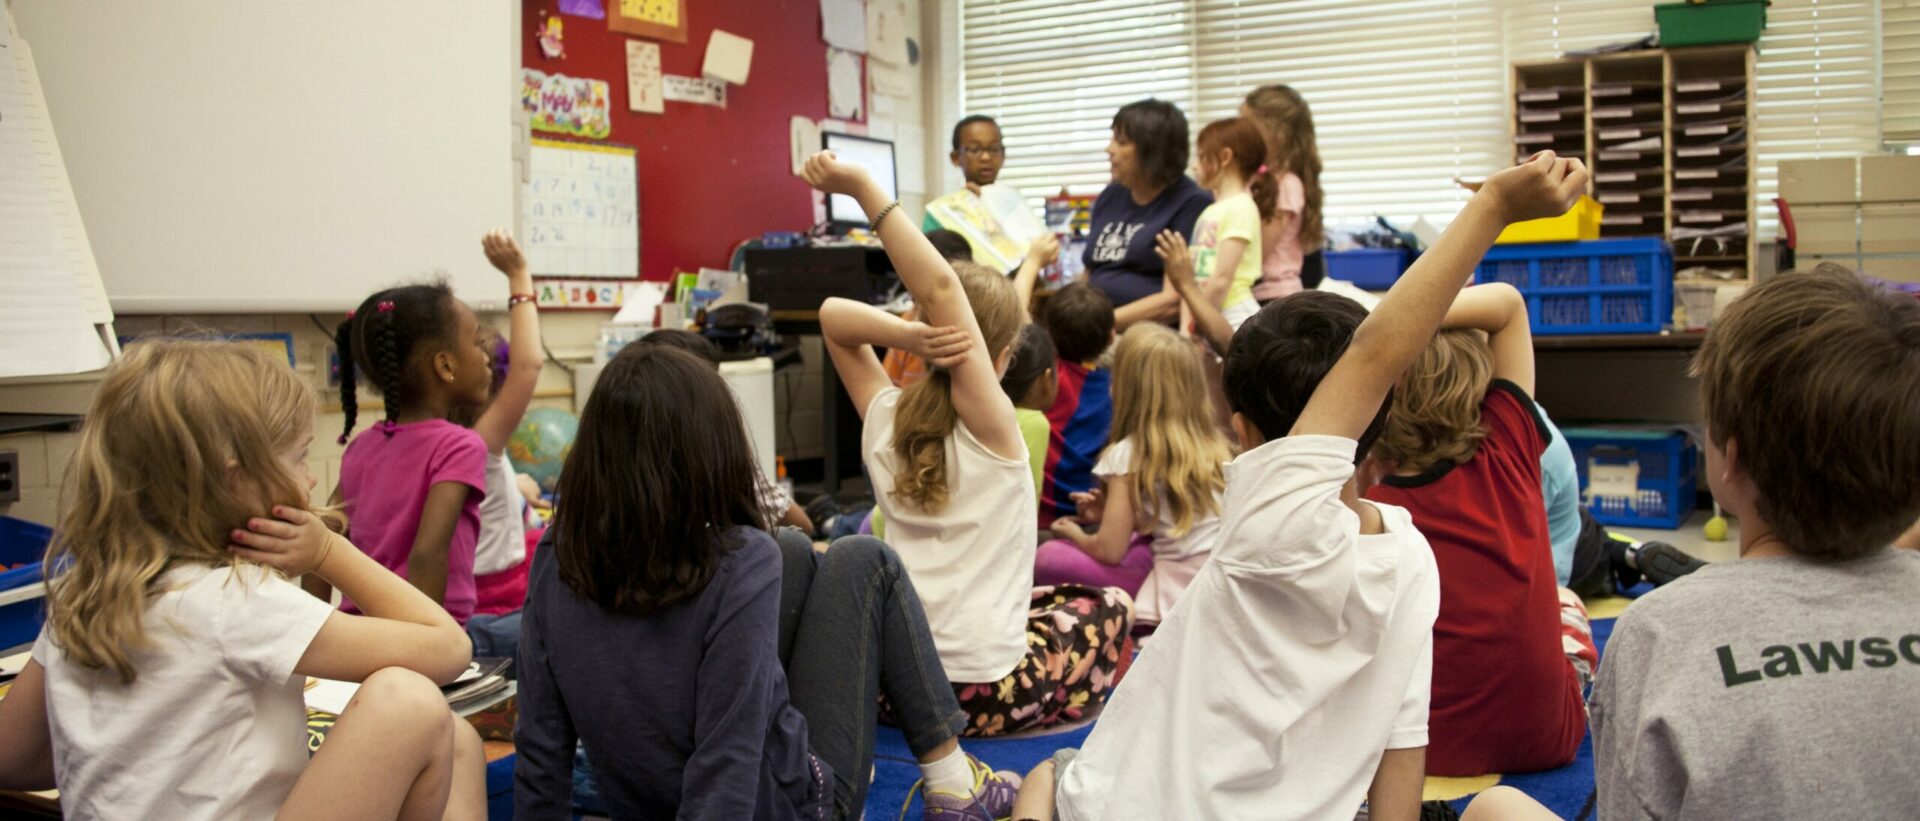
(22, 600)
(1372, 269)
(1635, 478)
(1601, 286)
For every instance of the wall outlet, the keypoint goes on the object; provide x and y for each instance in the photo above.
(9, 476)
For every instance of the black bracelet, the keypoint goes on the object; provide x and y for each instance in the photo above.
(875, 225)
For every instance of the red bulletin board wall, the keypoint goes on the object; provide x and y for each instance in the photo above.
(709, 177)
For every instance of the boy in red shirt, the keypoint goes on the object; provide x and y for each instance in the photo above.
(1512, 651)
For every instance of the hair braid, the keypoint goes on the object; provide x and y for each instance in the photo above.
(391, 381)
(349, 402)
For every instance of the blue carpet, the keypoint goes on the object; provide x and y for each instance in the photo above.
(1564, 790)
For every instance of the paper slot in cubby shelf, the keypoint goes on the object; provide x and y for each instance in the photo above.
(1548, 94)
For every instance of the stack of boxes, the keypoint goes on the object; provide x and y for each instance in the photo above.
(1861, 212)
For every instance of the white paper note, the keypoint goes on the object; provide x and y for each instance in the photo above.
(729, 56)
(644, 92)
(890, 80)
(803, 139)
(887, 31)
(843, 24)
(696, 90)
(845, 90)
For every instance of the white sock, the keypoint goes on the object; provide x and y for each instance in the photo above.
(952, 774)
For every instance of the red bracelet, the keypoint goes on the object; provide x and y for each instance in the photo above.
(519, 298)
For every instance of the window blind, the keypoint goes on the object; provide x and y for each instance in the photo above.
(1816, 91)
(1900, 67)
(1407, 95)
(1054, 73)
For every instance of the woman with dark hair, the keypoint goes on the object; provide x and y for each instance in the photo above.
(1150, 193)
(711, 669)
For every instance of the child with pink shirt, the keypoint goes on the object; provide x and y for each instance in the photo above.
(1295, 229)
(412, 485)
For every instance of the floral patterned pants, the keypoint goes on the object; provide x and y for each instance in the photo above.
(1078, 646)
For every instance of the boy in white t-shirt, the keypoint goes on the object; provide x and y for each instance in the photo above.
(1292, 681)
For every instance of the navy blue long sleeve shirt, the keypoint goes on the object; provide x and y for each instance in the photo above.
(683, 714)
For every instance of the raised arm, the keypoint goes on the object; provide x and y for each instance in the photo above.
(1042, 253)
(1406, 319)
(1212, 324)
(850, 330)
(937, 295)
(523, 344)
(1500, 310)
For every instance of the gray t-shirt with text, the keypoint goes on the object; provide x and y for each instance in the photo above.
(1765, 688)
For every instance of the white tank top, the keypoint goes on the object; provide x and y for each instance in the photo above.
(971, 563)
(503, 524)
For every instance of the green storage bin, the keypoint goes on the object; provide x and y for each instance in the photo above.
(1710, 23)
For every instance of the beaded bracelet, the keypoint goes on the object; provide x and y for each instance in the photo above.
(883, 215)
(516, 299)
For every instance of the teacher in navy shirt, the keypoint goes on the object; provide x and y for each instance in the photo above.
(1150, 193)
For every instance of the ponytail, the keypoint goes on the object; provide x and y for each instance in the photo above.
(381, 337)
(349, 401)
(1249, 148)
(922, 423)
(1265, 189)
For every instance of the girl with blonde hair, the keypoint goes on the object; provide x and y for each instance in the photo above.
(1161, 478)
(168, 681)
(950, 473)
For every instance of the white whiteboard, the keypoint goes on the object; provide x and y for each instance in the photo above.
(582, 211)
(241, 156)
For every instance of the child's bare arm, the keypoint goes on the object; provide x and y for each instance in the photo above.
(851, 329)
(1042, 253)
(523, 345)
(1109, 545)
(1387, 342)
(1226, 260)
(26, 760)
(977, 396)
(1206, 311)
(427, 561)
(1394, 794)
(1500, 310)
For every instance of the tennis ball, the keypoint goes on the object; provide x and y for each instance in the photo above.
(1716, 529)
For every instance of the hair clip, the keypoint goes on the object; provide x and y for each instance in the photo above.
(385, 306)
(349, 314)
(1261, 170)
(388, 427)
(343, 439)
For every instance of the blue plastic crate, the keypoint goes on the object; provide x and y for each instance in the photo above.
(1602, 286)
(21, 543)
(1372, 269)
(1647, 477)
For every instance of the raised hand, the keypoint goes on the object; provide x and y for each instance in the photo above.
(1172, 249)
(503, 252)
(827, 173)
(942, 347)
(1045, 249)
(1544, 186)
(1089, 506)
(294, 542)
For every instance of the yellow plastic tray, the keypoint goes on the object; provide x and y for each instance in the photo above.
(1580, 222)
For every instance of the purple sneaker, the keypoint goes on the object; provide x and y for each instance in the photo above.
(991, 798)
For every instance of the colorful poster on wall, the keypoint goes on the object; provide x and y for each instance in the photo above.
(590, 9)
(566, 105)
(658, 19)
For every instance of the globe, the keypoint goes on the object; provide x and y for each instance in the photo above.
(540, 446)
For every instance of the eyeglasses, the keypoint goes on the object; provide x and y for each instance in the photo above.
(989, 150)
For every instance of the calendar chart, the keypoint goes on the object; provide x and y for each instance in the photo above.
(582, 211)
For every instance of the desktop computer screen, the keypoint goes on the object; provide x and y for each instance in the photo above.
(876, 156)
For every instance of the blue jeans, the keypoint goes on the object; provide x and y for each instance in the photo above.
(496, 636)
(851, 629)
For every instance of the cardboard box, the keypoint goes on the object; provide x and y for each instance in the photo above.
(1816, 182)
(1825, 229)
(1890, 229)
(1891, 178)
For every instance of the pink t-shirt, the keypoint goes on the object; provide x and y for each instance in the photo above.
(1281, 254)
(384, 482)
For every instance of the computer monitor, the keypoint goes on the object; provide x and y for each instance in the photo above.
(876, 156)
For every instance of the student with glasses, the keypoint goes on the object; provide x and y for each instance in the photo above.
(979, 152)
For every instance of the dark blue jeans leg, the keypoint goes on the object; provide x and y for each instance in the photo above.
(862, 632)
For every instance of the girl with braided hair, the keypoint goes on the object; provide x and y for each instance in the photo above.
(412, 484)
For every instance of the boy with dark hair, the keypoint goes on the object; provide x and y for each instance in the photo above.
(1292, 680)
(1782, 684)
(1079, 318)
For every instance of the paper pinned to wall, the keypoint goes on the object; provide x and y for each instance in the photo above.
(644, 91)
(729, 57)
(803, 139)
(909, 151)
(887, 31)
(582, 211)
(893, 81)
(845, 89)
(843, 24)
(696, 90)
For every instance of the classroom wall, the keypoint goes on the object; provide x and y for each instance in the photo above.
(708, 178)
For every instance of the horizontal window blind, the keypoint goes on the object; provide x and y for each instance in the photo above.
(1407, 95)
(1900, 70)
(1054, 73)
(1547, 31)
(1816, 91)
